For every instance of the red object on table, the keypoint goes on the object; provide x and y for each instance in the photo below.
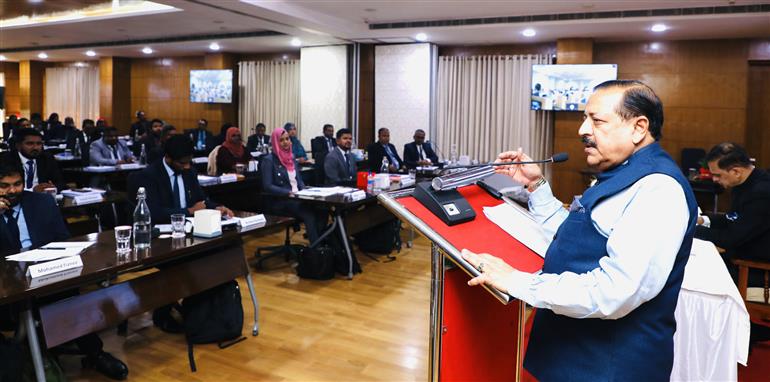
(482, 339)
(361, 180)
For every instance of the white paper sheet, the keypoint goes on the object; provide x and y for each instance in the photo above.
(520, 224)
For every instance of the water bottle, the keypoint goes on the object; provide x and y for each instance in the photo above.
(370, 183)
(76, 154)
(453, 154)
(142, 222)
(385, 168)
(143, 156)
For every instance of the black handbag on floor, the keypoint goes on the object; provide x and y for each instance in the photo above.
(316, 263)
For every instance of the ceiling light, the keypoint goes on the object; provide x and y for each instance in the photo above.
(42, 55)
(659, 28)
(296, 42)
(90, 53)
(3, 58)
(214, 46)
(421, 37)
(655, 46)
(147, 50)
(529, 32)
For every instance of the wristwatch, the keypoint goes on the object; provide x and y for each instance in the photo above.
(534, 185)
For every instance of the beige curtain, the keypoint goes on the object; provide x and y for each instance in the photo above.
(483, 107)
(269, 93)
(72, 92)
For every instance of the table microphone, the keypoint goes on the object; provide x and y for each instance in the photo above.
(556, 158)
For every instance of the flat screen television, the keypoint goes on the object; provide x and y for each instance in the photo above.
(567, 87)
(211, 86)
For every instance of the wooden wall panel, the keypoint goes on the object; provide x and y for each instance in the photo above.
(12, 94)
(758, 114)
(759, 50)
(31, 86)
(160, 87)
(485, 50)
(366, 128)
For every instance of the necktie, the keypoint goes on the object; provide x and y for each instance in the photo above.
(30, 173)
(420, 149)
(13, 231)
(201, 138)
(175, 189)
(115, 153)
(329, 144)
(347, 162)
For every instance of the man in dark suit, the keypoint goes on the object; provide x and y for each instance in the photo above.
(156, 153)
(40, 168)
(258, 139)
(323, 144)
(201, 137)
(171, 185)
(83, 139)
(383, 149)
(110, 150)
(151, 139)
(30, 220)
(339, 165)
(140, 127)
(419, 152)
(10, 126)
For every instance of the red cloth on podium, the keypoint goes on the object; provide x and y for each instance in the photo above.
(480, 338)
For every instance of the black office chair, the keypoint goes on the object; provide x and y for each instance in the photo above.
(288, 250)
(691, 158)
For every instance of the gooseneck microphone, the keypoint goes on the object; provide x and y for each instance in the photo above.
(481, 171)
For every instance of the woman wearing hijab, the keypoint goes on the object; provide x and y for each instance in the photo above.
(281, 176)
(232, 152)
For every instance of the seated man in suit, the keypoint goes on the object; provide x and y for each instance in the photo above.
(83, 138)
(383, 149)
(281, 177)
(30, 220)
(419, 152)
(171, 185)
(150, 140)
(339, 165)
(156, 153)
(201, 137)
(300, 155)
(324, 144)
(40, 168)
(10, 126)
(109, 150)
(259, 139)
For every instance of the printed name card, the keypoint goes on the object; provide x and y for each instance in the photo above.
(51, 267)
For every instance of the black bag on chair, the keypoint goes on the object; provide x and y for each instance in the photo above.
(213, 316)
(316, 263)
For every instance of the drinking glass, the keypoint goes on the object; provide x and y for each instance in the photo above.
(177, 225)
(123, 238)
(239, 167)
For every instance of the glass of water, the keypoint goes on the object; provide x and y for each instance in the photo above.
(123, 238)
(177, 225)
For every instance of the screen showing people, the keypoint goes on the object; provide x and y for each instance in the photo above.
(211, 86)
(567, 87)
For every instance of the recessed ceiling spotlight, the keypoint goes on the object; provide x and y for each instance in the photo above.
(90, 53)
(659, 28)
(421, 37)
(214, 46)
(42, 55)
(3, 58)
(529, 32)
(655, 46)
(147, 50)
(296, 42)
(285, 57)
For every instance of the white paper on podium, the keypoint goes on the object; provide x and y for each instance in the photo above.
(520, 224)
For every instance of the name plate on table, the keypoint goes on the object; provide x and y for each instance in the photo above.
(99, 168)
(130, 166)
(251, 221)
(81, 200)
(200, 160)
(51, 267)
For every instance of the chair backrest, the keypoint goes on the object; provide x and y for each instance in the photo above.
(691, 158)
(758, 310)
(211, 169)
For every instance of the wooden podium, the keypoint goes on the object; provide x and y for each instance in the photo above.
(476, 334)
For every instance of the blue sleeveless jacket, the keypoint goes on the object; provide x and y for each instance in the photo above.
(636, 347)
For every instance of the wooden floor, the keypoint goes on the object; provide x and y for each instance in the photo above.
(373, 328)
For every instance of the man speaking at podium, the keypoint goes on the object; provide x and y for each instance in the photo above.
(612, 274)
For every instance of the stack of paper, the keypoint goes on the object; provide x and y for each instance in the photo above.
(52, 251)
(323, 192)
(206, 180)
(228, 178)
(99, 168)
(520, 224)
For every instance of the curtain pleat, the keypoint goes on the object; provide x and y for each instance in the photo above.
(269, 93)
(483, 107)
(72, 92)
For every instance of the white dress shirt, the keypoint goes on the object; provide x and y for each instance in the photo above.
(644, 226)
(24, 161)
(179, 182)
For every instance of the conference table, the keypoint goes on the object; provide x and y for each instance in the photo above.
(187, 266)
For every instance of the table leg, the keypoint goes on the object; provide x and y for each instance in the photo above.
(98, 222)
(716, 201)
(34, 345)
(255, 329)
(410, 242)
(343, 232)
(326, 233)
